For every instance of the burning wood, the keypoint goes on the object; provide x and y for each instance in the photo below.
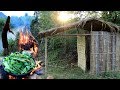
(27, 42)
(11, 77)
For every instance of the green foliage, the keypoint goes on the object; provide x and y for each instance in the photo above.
(46, 20)
(110, 75)
(13, 44)
(59, 46)
(41, 22)
(2, 22)
(111, 16)
(18, 63)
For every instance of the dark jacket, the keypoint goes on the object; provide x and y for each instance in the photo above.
(4, 36)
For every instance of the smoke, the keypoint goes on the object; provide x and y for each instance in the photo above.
(21, 21)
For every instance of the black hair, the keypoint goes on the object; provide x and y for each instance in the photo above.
(8, 20)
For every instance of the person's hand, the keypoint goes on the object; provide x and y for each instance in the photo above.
(11, 32)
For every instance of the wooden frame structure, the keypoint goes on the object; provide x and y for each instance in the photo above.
(103, 44)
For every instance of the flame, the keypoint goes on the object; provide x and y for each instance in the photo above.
(24, 38)
(27, 39)
(11, 77)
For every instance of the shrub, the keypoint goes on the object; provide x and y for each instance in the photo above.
(2, 21)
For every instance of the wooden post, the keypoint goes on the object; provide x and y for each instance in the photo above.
(81, 52)
(46, 56)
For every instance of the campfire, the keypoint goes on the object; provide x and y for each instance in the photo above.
(27, 42)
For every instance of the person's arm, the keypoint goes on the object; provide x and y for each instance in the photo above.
(11, 31)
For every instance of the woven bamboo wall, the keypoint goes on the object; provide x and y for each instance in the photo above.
(105, 52)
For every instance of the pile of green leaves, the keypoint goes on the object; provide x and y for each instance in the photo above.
(18, 63)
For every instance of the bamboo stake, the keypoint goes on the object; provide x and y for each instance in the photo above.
(46, 56)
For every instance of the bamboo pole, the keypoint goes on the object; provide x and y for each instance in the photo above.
(46, 55)
(79, 35)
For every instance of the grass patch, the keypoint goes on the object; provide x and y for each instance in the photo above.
(60, 69)
(76, 73)
(110, 75)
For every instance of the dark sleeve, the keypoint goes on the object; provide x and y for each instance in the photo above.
(9, 27)
(6, 27)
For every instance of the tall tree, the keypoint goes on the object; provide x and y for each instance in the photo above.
(111, 16)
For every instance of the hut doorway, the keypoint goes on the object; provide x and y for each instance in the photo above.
(87, 52)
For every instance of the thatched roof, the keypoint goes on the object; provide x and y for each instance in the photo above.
(86, 24)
